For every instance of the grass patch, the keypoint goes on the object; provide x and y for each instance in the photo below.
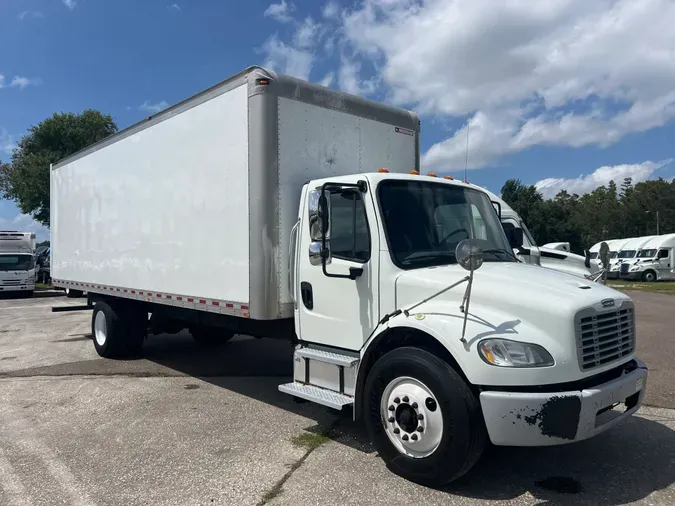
(659, 286)
(42, 286)
(310, 440)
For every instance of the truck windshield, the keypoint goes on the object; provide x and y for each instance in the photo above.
(594, 255)
(630, 253)
(646, 253)
(16, 262)
(613, 254)
(424, 222)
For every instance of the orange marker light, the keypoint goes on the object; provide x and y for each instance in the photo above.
(382, 169)
(449, 178)
(415, 172)
(432, 174)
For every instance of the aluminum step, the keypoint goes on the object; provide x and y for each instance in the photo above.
(328, 357)
(318, 395)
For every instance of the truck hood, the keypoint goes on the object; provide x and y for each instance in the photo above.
(572, 259)
(506, 285)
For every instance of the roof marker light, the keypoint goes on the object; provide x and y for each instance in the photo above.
(382, 169)
(432, 174)
(415, 172)
(449, 178)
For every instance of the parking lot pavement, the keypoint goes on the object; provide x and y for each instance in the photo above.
(187, 426)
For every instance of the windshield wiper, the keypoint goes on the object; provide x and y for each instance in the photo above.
(494, 251)
(430, 255)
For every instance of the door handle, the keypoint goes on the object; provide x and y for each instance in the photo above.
(307, 295)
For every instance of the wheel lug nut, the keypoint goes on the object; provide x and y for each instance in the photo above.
(397, 430)
(414, 437)
(397, 400)
(420, 416)
(420, 429)
(391, 419)
(405, 437)
(392, 408)
(405, 399)
(414, 405)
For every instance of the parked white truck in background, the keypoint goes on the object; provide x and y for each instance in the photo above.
(615, 248)
(399, 291)
(554, 256)
(654, 261)
(17, 262)
(627, 253)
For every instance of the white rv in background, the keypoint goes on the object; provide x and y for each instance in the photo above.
(654, 262)
(17, 262)
(554, 256)
(627, 253)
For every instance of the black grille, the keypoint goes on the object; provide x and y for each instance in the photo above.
(604, 337)
(624, 268)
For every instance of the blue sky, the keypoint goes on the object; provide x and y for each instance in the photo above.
(568, 95)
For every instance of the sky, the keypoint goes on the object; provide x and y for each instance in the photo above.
(564, 94)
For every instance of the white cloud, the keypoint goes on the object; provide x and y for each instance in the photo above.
(30, 14)
(71, 4)
(639, 172)
(330, 10)
(2, 81)
(153, 108)
(25, 223)
(22, 82)
(327, 79)
(281, 11)
(174, 8)
(287, 59)
(350, 81)
(521, 73)
(7, 143)
(306, 34)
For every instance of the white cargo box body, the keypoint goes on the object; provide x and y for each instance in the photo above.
(194, 207)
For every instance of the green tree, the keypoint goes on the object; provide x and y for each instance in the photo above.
(26, 179)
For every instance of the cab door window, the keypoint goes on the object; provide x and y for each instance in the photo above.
(349, 233)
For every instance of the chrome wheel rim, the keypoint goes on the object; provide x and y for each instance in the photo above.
(411, 417)
(100, 328)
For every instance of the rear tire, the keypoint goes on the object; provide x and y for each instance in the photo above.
(118, 331)
(210, 336)
(649, 276)
(428, 389)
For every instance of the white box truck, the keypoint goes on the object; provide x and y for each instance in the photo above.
(655, 260)
(17, 262)
(276, 208)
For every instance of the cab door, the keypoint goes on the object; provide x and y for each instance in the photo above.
(665, 265)
(337, 304)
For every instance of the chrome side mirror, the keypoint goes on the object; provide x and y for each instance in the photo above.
(469, 254)
(319, 227)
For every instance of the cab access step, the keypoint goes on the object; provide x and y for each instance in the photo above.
(324, 376)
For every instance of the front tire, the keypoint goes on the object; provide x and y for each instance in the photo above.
(425, 421)
(118, 331)
(649, 276)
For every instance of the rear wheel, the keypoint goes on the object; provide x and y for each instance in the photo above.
(424, 420)
(210, 336)
(649, 276)
(118, 330)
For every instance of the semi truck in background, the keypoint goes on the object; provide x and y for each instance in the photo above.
(654, 261)
(399, 292)
(554, 256)
(17, 262)
(627, 253)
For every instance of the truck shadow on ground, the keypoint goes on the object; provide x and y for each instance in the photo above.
(626, 464)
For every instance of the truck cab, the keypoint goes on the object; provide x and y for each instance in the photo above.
(654, 261)
(17, 262)
(411, 307)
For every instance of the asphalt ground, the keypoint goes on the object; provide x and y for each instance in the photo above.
(186, 426)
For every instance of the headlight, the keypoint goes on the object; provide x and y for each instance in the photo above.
(505, 353)
(635, 268)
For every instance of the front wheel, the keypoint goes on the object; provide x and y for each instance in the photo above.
(649, 276)
(425, 421)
